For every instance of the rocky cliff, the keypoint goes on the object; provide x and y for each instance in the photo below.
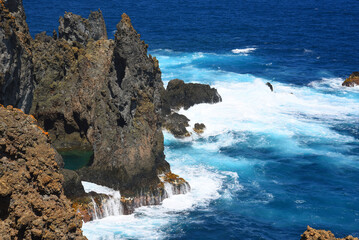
(90, 93)
(32, 202)
(102, 95)
(16, 78)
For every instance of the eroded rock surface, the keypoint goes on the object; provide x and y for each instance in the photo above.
(179, 94)
(32, 202)
(103, 96)
(352, 80)
(16, 78)
(76, 28)
(313, 234)
(176, 124)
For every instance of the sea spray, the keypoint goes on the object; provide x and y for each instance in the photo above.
(107, 203)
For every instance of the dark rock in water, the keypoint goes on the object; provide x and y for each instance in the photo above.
(72, 184)
(313, 234)
(16, 78)
(32, 202)
(199, 127)
(75, 28)
(270, 86)
(176, 124)
(179, 94)
(352, 80)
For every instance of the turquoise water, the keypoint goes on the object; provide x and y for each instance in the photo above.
(76, 159)
(269, 163)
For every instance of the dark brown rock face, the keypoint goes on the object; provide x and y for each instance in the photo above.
(16, 79)
(313, 234)
(103, 96)
(352, 80)
(179, 94)
(32, 202)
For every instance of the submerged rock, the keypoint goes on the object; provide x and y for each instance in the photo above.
(176, 124)
(32, 202)
(179, 94)
(270, 86)
(313, 234)
(352, 80)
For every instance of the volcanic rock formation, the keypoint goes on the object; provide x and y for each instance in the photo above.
(90, 93)
(352, 80)
(32, 201)
(313, 234)
(16, 78)
(179, 94)
(176, 124)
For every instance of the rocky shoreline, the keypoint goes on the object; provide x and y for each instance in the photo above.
(77, 89)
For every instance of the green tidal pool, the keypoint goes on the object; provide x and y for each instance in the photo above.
(76, 159)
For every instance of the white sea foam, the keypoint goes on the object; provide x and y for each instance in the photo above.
(93, 187)
(147, 222)
(333, 85)
(288, 111)
(244, 50)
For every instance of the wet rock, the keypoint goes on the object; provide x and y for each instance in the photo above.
(199, 128)
(270, 86)
(176, 124)
(352, 80)
(179, 94)
(313, 234)
(75, 28)
(90, 205)
(32, 202)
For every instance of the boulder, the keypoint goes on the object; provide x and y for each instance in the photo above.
(176, 124)
(179, 94)
(313, 234)
(270, 86)
(72, 184)
(352, 80)
(199, 128)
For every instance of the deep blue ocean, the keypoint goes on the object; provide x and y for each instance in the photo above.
(269, 163)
